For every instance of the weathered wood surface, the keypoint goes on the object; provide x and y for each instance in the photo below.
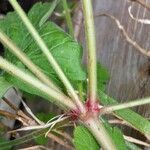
(129, 70)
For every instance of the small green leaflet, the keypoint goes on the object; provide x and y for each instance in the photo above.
(84, 140)
(65, 50)
(4, 86)
(117, 136)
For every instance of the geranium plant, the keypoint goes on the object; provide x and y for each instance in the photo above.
(41, 59)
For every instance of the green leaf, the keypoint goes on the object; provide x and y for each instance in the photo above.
(2, 140)
(84, 140)
(102, 77)
(35, 16)
(65, 50)
(41, 140)
(134, 119)
(116, 136)
(4, 86)
(45, 116)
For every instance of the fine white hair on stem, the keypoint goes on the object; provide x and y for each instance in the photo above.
(58, 98)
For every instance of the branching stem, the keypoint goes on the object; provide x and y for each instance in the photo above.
(125, 34)
(23, 58)
(142, 2)
(47, 53)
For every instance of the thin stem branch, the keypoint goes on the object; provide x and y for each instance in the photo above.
(38, 147)
(60, 100)
(8, 115)
(47, 53)
(100, 133)
(60, 141)
(124, 33)
(80, 89)
(91, 45)
(136, 141)
(109, 109)
(23, 58)
(49, 12)
(64, 134)
(68, 18)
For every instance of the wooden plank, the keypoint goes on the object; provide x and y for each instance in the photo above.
(129, 69)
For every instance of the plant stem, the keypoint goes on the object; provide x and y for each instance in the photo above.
(94, 125)
(23, 58)
(109, 109)
(47, 53)
(80, 89)
(68, 18)
(60, 99)
(91, 45)
(100, 133)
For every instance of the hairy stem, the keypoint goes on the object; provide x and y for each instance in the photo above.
(109, 109)
(68, 18)
(91, 45)
(23, 58)
(100, 133)
(47, 53)
(60, 99)
(80, 89)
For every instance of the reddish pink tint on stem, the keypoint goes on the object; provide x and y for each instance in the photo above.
(92, 109)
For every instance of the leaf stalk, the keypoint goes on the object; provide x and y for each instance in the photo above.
(47, 53)
(109, 109)
(60, 100)
(23, 58)
(68, 18)
(91, 46)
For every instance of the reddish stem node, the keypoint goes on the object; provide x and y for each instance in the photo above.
(74, 114)
(92, 110)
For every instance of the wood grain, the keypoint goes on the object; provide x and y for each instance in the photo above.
(129, 70)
